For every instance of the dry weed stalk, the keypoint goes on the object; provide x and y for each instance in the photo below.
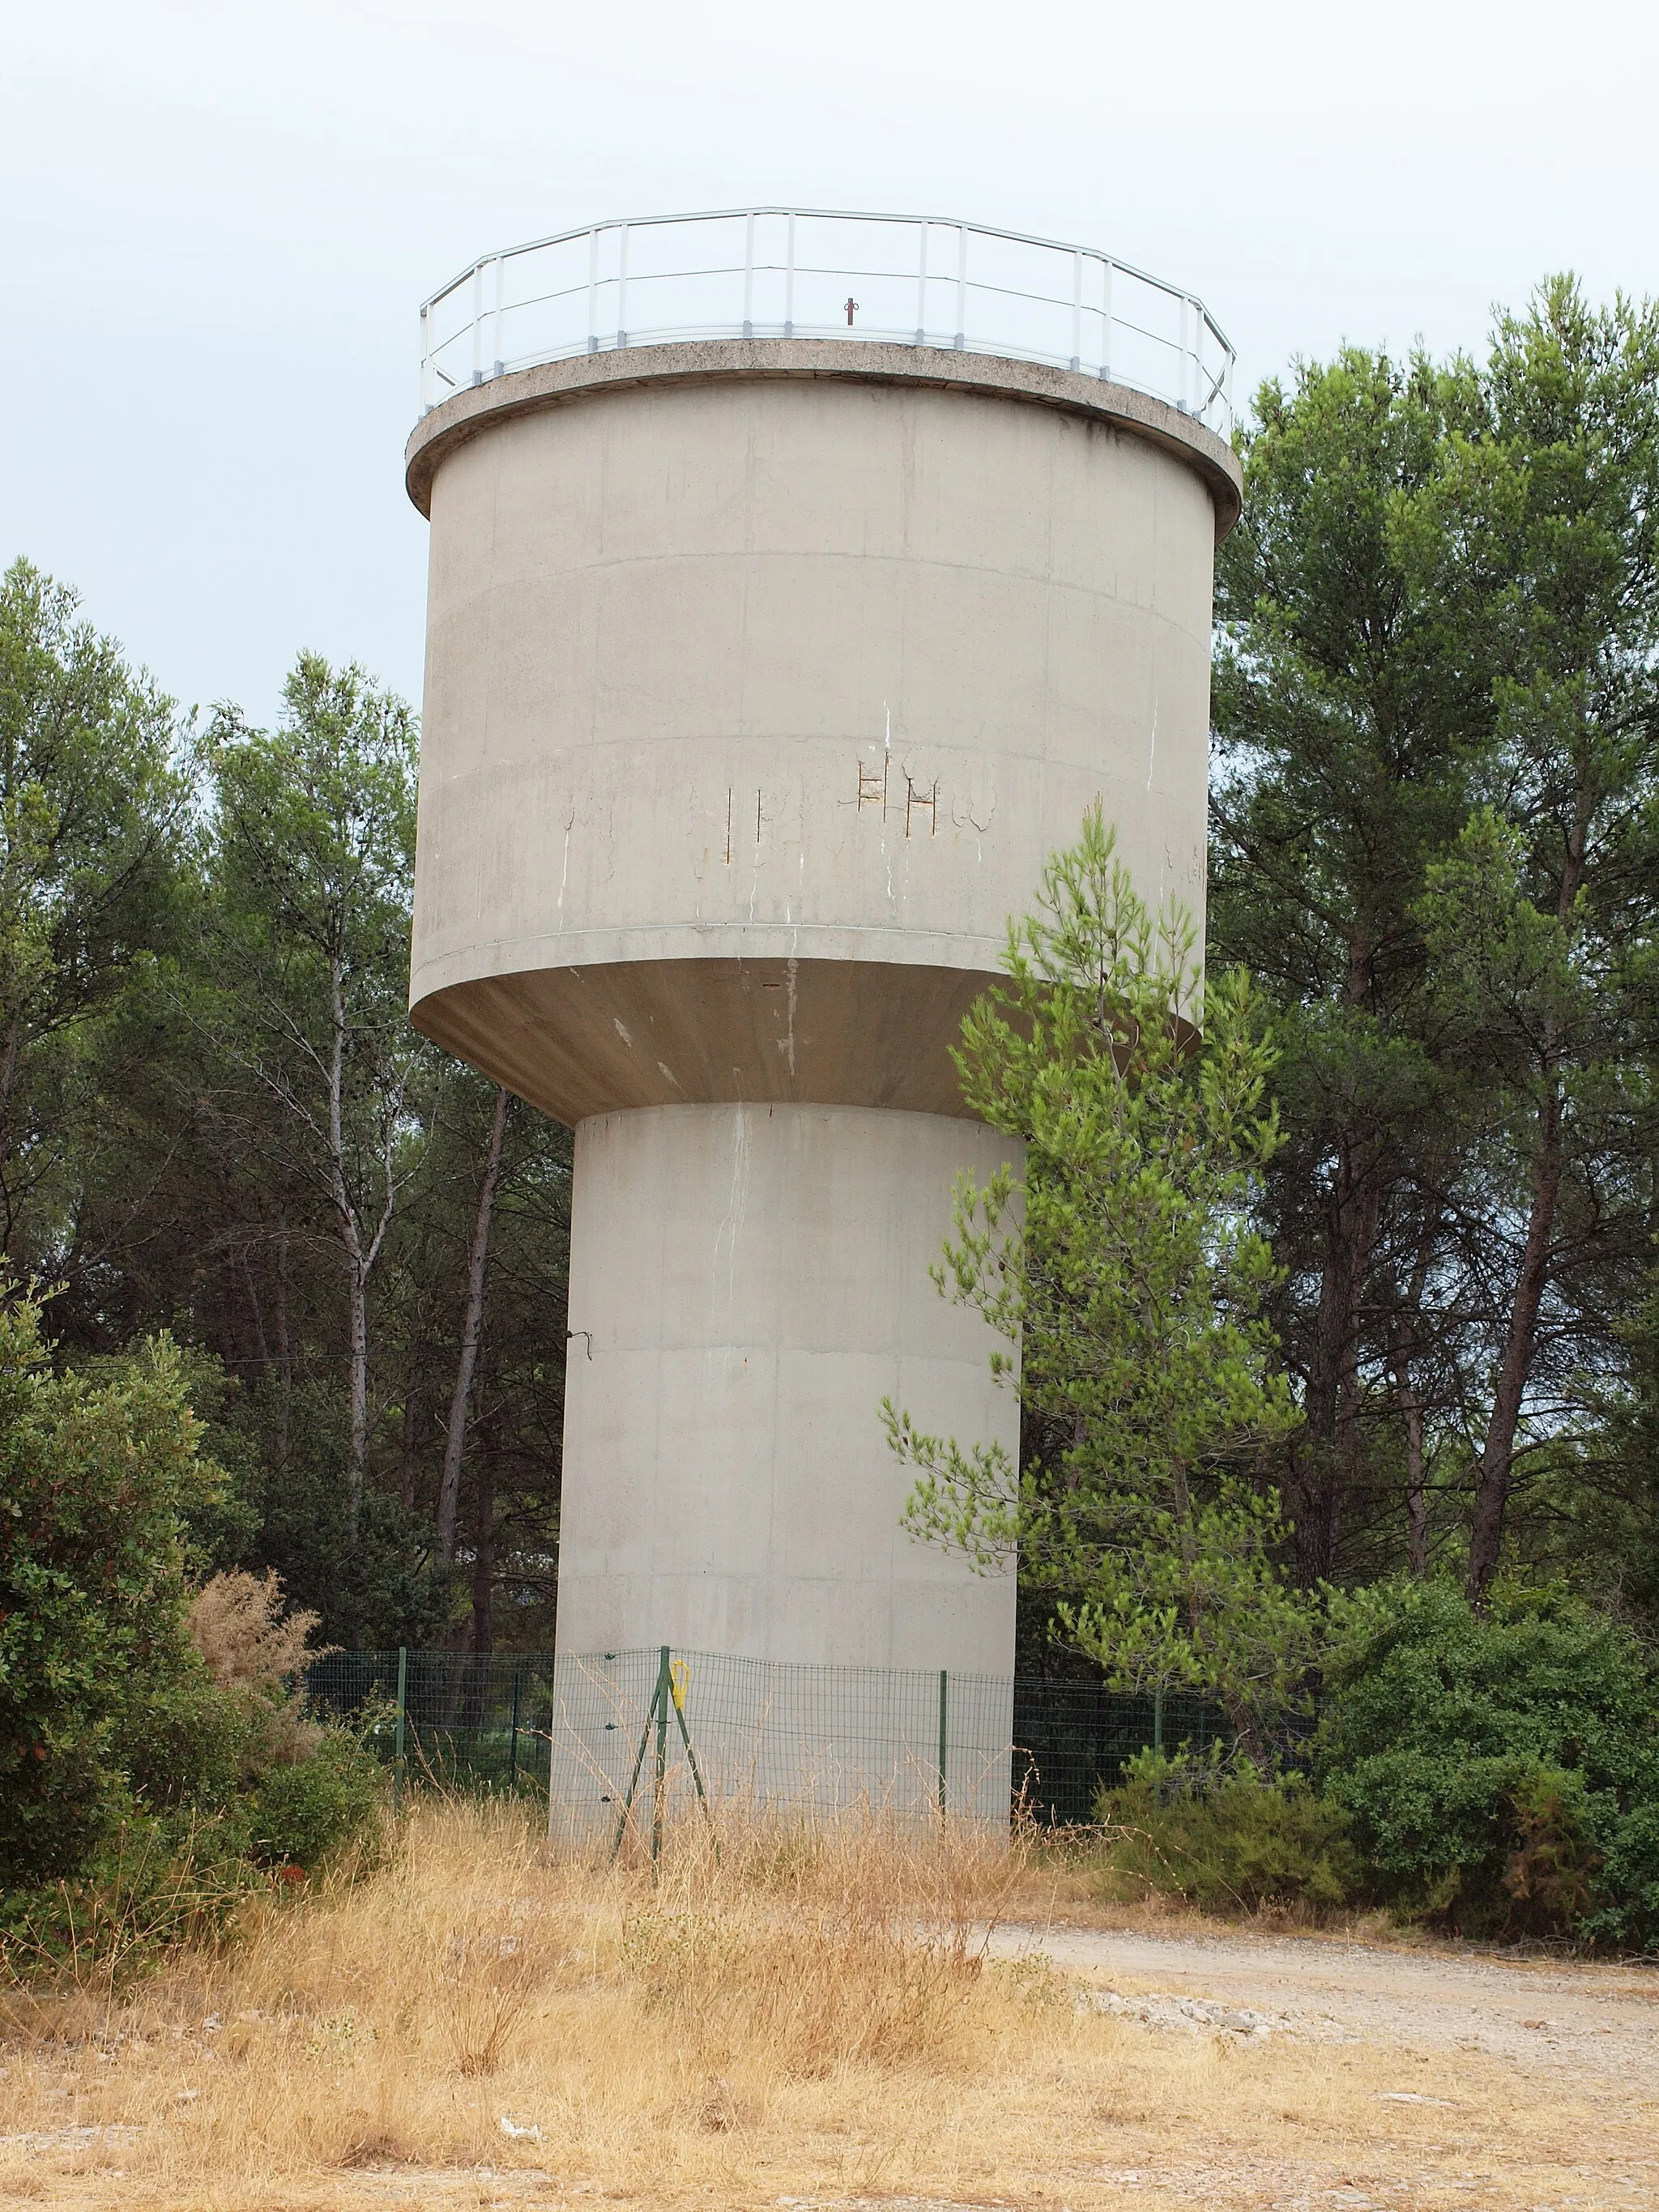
(156, 1891)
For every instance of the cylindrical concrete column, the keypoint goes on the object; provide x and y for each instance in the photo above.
(753, 1281)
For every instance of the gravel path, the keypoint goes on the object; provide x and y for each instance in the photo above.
(1601, 2023)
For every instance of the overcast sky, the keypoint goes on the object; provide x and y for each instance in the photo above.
(218, 221)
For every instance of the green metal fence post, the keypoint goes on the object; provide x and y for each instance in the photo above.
(513, 1755)
(633, 1778)
(691, 1757)
(1157, 1718)
(944, 1717)
(659, 1782)
(403, 1709)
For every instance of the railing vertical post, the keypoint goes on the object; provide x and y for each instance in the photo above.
(477, 322)
(513, 1755)
(1106, 324)
(944, 1740)
(921, 286)
(789, 283)
(403, 1709)
(593, 289)
(498, 352)
(749, 276)
(621, 290)
(962, 286)
(426, 362)
(1077, 310)
(659, 1777)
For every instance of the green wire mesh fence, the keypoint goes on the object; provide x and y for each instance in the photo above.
(572, 1731)
(459, 1719)
(765, 1733)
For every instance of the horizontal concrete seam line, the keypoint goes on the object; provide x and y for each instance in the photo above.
(577, 377)
(753, 932)
(672, 740)
(604, 564)
(433, 978)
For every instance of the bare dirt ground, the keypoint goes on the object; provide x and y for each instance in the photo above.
(1585, 2023)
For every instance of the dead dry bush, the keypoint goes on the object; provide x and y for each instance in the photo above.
(237, 1623)
(253, 1647)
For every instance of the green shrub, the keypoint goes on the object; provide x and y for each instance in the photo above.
(179, 1740)
(155, 1760)
(97, 1484)
(1226, 1836)
(1501, 1768)
(302, 1812)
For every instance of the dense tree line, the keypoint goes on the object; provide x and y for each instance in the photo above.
(216, 1121)
(1435, 846)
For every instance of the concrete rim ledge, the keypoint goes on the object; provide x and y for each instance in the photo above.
(579, 376)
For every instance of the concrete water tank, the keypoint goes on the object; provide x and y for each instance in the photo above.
(790, 599)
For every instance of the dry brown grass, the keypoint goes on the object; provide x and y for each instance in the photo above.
(484, 2021)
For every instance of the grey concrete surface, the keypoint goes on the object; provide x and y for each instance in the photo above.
(761, 680)
(793, 669)
(754, 1281)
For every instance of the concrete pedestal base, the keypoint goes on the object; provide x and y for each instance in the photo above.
(753, 1280)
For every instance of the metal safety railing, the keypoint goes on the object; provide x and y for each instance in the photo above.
(920, 281)
(578, 1730)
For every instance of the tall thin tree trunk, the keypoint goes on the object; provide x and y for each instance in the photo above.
(8, 1079)
(449, 1487)
(284, 1348)
(261, 1348)
(1403, 1344)
(1325, 1465)
(483, 1557)
(351, 1239)
(1495, 1475)
(360, 1258)
(410, 1435)
(358, 1287)
(1409, 1399)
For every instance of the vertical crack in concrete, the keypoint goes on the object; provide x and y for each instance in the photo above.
(564, 872)
(732, 1228)
(886, 768)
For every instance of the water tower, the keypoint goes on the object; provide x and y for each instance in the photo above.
(796, 581)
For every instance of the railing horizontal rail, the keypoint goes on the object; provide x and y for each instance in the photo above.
(1068, 307)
